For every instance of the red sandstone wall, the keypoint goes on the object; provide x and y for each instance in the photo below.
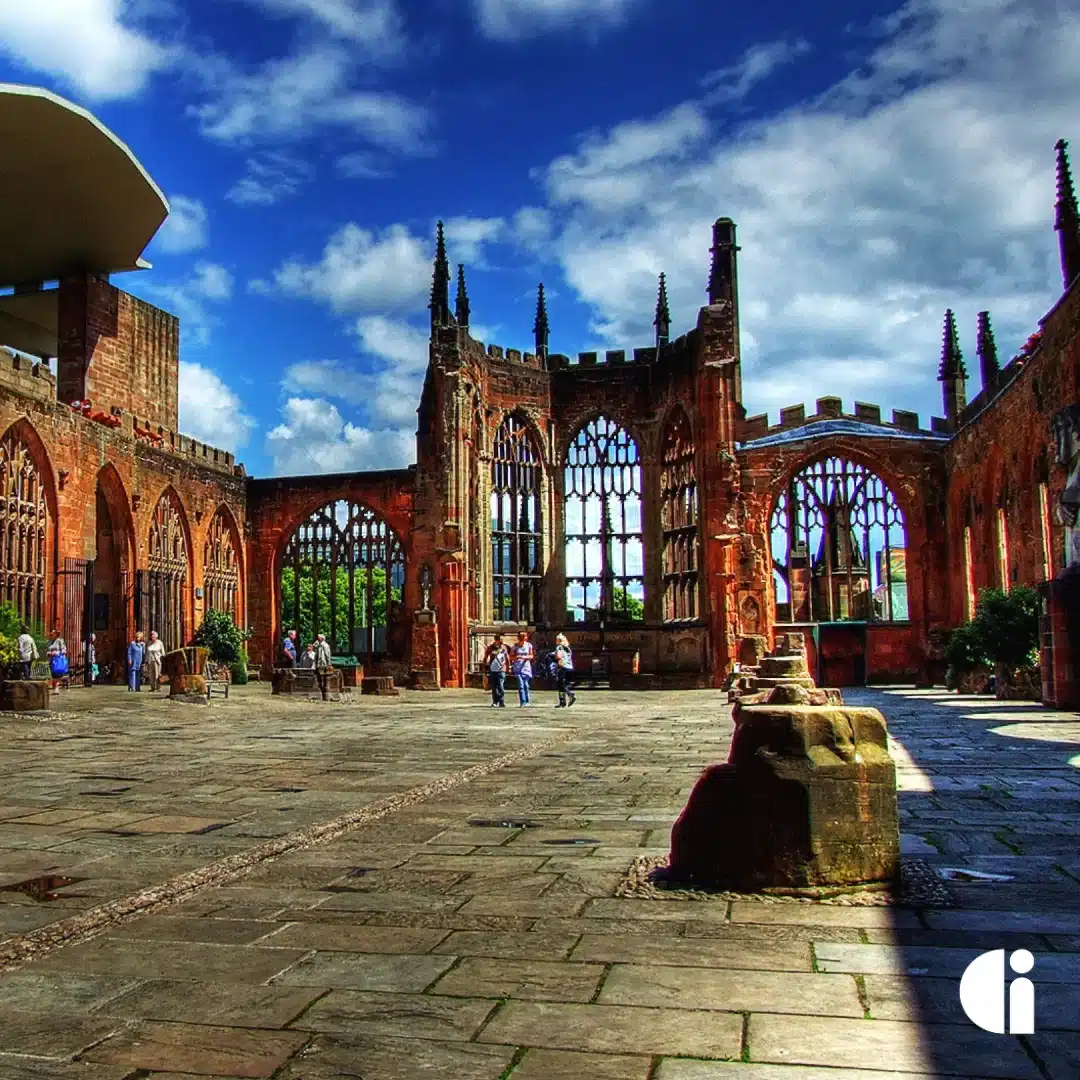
(117, 350)
(999, 457)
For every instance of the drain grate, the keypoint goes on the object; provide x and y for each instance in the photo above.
(579, 841)
(43, 888)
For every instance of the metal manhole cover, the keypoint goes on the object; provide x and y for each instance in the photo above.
(506, 823)
(573, 841)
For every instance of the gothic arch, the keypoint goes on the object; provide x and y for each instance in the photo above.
(29, 524)
(838, 539)
(679, 514)
(575, 424)
(223, 565)
(517, 485)
(603, 534)
(343, 546)
(163, 590)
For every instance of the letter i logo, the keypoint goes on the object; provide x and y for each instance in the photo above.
(982, 993)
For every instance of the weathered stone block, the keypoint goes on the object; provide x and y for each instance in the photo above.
(807, 797)
(382, 685)
(25, 695)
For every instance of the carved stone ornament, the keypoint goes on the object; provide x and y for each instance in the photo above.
(1067, 436)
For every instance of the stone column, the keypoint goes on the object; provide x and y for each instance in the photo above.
(652, 535)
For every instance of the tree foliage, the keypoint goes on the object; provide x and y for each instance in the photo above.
(340, 634)
(221, 637)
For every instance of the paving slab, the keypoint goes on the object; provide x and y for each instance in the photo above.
(731, 991)
(409, 1016)
(570, 1065)
(392, 972)
(199, 1049)
(616, 1029)
(528, 979)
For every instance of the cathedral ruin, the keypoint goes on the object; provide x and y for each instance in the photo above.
(624, 499)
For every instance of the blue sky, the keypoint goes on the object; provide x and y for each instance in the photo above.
(882, 163)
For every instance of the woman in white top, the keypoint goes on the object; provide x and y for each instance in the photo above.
(522, 667)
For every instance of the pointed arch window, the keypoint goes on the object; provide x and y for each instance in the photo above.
(162, 592)
(24, 530)
(221, 575)
(679, 510)
(475, 553)
(516, 536)
(605, 564)
(839, 546)
(342, 573)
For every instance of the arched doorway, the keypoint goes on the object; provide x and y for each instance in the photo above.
(342, 573)
(110, 575)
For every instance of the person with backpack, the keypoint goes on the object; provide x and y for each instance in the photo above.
(564, 672)
(496, 660)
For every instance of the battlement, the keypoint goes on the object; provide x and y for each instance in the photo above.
(201, 453)
(674, 351)
(26, 376)
(832, 408)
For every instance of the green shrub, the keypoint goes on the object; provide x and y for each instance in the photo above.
(1005, 631)
(221, 637)
(1007, 626)
(9, 651)
(238, 670)
(965, 651)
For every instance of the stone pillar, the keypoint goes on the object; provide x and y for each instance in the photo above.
(652, 529)
(455, 654)
(424, 674)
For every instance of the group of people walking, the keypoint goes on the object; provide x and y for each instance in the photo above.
(143, 658)
(518, 660)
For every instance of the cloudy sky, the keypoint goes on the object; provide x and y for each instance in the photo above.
(882, 162)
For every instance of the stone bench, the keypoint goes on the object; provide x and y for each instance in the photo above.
(381, 685)
(300, 681)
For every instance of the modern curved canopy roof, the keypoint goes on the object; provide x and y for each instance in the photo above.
(73, 197)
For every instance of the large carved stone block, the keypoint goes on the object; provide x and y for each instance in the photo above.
(807, 798)
(381, 685)
(25, 695)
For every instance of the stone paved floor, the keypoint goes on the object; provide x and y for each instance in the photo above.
(440, 943)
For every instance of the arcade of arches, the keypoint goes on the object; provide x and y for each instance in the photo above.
(628, 502)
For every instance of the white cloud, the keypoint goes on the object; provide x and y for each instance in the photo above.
(191, 299)
(187, 228)
(466, 237)
(375, 24)
(758, 63)
(328, 378)
(361, 271)
(91, 45)
(403, 351)
(306, 92)
(210, 411)
(508, 20)
(313, 437)
(361, 166)
(922, 181)
(270, 178)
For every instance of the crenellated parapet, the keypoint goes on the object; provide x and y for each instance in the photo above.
(866, 419)
(171, 442)
(26, 376)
